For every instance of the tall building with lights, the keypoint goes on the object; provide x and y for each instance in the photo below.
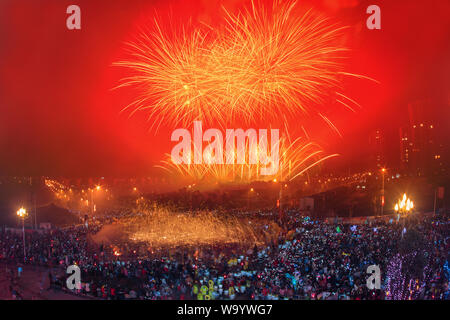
(420, 152)
(405, 146)
(377, 145)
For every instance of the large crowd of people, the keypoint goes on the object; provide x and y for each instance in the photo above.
(311, 259)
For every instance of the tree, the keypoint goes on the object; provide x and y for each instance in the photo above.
(413, 248)
(407, 271)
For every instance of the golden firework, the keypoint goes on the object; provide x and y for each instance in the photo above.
(296, 157)
(262, 63)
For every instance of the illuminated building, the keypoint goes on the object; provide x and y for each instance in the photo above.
(377, 145)
(420, 152)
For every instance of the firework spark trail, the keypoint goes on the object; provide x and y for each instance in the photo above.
(264, 62)
(284, 61)
(296, 157)
(160, 227)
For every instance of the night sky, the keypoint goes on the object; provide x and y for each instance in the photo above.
(60, 116)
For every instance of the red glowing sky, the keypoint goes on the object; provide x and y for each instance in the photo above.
(59, 116)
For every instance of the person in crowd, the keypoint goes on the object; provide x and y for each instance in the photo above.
(309, 259)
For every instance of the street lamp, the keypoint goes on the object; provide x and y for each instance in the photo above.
(91, 203)
(22, 213)
(383, 171)
(404, 206)
(92, 206)
(248, 197)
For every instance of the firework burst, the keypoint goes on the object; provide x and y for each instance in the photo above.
(264, 62)
(296, 157)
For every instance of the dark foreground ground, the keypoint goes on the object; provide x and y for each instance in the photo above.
(33, 284)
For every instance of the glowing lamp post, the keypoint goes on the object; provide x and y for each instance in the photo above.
(22, 213)
(383, 171)
(93, 207)
(248, 197)
(404, 206)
